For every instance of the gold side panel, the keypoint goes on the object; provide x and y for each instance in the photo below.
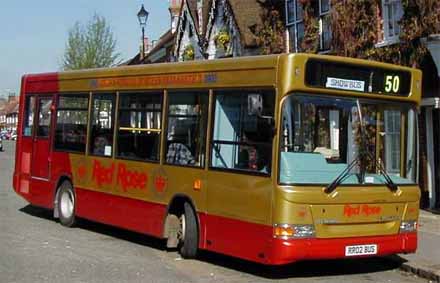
(242, 72)
(137, 180)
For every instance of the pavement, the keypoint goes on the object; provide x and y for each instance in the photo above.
(426, 261)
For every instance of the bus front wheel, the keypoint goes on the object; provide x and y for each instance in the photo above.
(66, 204)
(189, 233)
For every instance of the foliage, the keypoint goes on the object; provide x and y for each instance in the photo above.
(310, 42)
(90, 46)
(355, 26)
(222, 39)
(188, 53)
(271, 35)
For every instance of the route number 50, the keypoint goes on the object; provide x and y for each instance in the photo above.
(392, 84)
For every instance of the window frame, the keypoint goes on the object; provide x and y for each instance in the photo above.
(203, 92)
(295, 22)
(38, 99)
(386, 5)
(28, 99)
(57, 101)
(373, 101)
(96, 96)
(211, 122)
(117, 124)
(322, 16)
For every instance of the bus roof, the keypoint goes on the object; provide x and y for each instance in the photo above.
(255, 71)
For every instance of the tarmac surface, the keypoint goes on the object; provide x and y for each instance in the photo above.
(35, 248)
(426, 261)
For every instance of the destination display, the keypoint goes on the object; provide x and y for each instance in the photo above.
(326, 74)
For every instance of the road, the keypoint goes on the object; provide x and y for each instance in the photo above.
(36, 248)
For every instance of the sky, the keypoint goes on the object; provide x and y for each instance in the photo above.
(33, 34)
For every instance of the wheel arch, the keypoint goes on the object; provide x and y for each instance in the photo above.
(61, 179)
(176, 207)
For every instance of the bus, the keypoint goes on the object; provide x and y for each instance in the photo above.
(272, 159)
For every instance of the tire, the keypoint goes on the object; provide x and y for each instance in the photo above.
(190, 233)
(66, 204)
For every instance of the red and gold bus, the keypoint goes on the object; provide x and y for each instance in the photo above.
(272, 159)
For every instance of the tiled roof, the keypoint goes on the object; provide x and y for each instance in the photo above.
(164, 39)
(247, 14)
(12, 107)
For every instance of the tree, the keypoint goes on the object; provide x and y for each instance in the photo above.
(90, 46)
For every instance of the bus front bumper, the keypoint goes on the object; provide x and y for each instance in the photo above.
(287, 251)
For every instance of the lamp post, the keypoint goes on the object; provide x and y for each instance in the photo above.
(143, 17)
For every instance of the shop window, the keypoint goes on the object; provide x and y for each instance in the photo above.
(242, 140)
(101, 141)
(187, 122)
(139, 126)
(28, 122)
(71, 126)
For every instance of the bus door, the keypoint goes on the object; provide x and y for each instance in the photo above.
(240, 184)
(41, 153)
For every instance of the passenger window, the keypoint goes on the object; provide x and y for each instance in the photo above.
(28, 122)
(242, 139)
(139, 126)
(44, 117)
(71, 126)
(186, 135)
(101, 141)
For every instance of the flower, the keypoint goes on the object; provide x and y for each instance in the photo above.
(188, 53)
(222, 39)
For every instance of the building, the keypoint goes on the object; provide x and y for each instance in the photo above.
(370, 29)
(388, 34)
(161, 50)
(3, 103)
(430, 125)
(10, 113)
(210, 29)
(207, 29)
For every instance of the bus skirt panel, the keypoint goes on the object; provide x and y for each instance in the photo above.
(287, 251)
(135, 215)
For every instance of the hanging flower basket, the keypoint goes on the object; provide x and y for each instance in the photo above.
(188, 53)
(222, 39)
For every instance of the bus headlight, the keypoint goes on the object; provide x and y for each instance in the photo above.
(408, 226)
(290, 231)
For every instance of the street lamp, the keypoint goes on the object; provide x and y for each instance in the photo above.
(143, 17)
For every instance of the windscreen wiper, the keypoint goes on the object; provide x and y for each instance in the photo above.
(341, 177)
(388, 181)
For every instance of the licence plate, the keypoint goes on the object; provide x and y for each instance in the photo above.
(360, 250)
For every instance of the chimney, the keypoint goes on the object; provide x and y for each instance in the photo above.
(11, 98)
(174, 9)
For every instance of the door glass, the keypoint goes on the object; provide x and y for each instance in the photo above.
(29, 116)
(187, 120)
(44, 115)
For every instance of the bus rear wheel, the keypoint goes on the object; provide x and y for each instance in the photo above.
(66, 204)
(189, 234)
